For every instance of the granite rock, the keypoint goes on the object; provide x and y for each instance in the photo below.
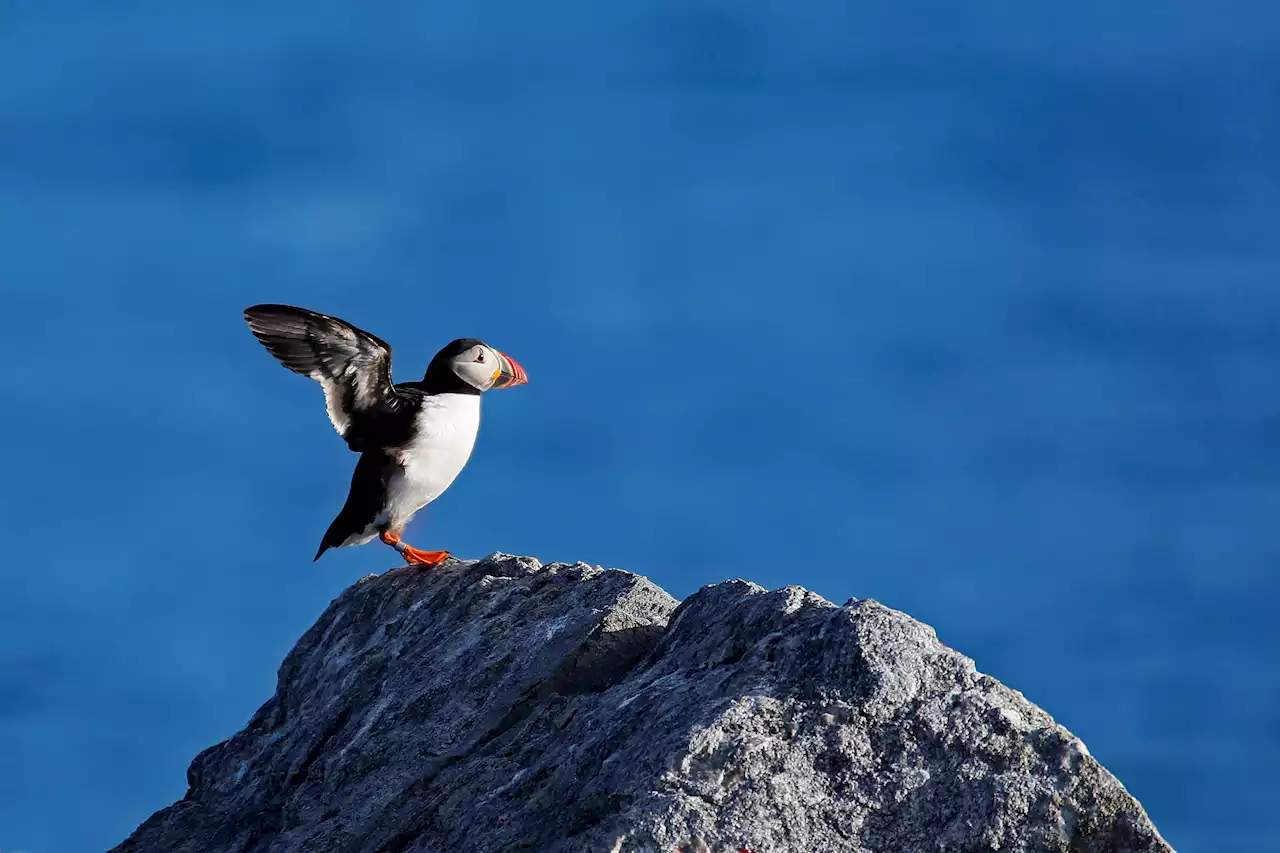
(502, 705)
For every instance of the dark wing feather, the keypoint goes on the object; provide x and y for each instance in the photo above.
(351, 365)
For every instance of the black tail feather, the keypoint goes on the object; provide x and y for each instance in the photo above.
(364, 502)
(342, 527)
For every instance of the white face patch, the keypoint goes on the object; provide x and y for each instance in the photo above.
(478, 366)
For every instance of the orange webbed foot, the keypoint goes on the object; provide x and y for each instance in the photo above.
(424, 558)
(412, 555)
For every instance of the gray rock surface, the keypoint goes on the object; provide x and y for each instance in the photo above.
(501, 705)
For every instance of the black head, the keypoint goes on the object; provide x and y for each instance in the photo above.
(470, 366)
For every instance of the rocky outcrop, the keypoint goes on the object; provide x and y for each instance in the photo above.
(501, 705)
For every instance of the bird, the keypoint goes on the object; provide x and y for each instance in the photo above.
(414, 438)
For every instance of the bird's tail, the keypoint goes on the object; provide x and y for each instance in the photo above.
(364, 502)
(339, 531)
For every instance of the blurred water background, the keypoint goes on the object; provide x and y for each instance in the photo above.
(968, 308)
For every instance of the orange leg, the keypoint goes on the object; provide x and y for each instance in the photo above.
(413, 555)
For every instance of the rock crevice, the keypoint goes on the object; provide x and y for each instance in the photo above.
(500, 705)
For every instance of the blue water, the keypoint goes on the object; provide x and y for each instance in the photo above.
(970, 308)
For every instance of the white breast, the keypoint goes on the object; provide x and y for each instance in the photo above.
(445, 432)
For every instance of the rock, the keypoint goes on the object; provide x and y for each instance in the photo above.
(501, 705)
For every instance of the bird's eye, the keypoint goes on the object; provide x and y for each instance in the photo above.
(480, 358)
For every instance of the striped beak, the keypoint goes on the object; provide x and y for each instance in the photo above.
(510, 373)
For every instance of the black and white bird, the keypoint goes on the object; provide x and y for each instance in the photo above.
(413, 438)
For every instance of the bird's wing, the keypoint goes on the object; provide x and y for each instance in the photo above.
(351, 365)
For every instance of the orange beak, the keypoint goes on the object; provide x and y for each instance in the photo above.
(510, 373)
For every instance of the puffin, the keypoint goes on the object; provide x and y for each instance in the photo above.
(414, 438)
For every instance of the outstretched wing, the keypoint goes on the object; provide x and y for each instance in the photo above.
(351, 365)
